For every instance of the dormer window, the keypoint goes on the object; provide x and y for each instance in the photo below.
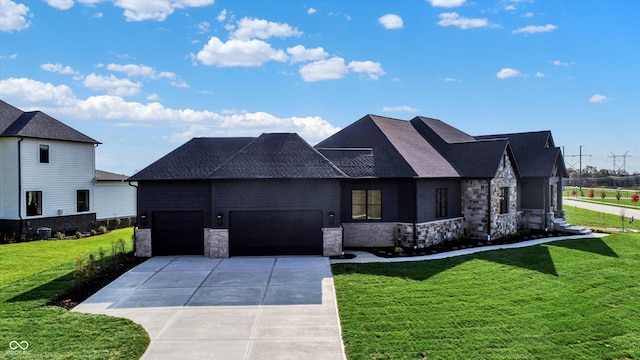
(44, 154)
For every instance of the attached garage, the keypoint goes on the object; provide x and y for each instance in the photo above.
(256, 233)
(178, 233)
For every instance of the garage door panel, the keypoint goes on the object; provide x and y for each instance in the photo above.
(275, 233)
(178, 233)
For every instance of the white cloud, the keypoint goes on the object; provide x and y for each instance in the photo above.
(403, 108)
(372, 69)
(136, 10)
(98, 15)
(506, 73)
(10, 57)
(112, 84)
(510, 8)
(454, 19)
(311, 11)
(36, 92)
(58, 68)
(60, 101)
(222, 16)
(299, 53)
(330, 69)
(139, 70)
(249, 28)
(560, 63)
(447, 3)
(13, 16)
(539, 74)
(391, 21)
(528, 15)
(203, 27)
(153, 97)
(533, 29)
(450, 79)
(60, 4)
(598, 98)
(250, 53)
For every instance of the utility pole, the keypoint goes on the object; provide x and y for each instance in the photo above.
(579, 156)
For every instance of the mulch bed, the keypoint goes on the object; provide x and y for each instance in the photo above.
(78, 294)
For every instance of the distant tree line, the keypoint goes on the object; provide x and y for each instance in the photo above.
(592, 177)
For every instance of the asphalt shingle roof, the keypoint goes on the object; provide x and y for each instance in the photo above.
(109, 176)
(196, 159)
(36, 124)
(354, 162)
(269, 156)
(398, 150)
(535, 153)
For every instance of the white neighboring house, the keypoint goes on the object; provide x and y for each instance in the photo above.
(47, 176)
(114, 197)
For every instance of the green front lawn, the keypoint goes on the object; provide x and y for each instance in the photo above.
(32, 274)
(597, 220)
(572, 299)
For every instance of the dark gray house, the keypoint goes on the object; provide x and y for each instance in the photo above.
(376, 182)
(271, 195)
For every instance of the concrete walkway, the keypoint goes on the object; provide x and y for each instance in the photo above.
(366, 257)
(608, 209)
(238, 308)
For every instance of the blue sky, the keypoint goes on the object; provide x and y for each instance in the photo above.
(143, 77)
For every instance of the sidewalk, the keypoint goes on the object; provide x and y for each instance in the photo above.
(366, 257)
(608, 209)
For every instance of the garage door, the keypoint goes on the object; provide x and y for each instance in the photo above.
(255, 233)
(177, 233)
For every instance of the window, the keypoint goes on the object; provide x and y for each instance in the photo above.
(34, 203)
(441, 202)
(366, 204)
(504, 200)
(82, 200)
(44, 154)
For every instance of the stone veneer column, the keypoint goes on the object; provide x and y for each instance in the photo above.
(216, 243)
(331, 241)
(143, 242)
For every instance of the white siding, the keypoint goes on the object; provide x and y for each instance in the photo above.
(115, 199)
(9, 178)
(70, 168)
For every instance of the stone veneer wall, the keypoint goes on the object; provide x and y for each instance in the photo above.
(533, 219)
(331, 241)
(430, 233)
(143, 242)
(368, 234)
(216, 243)
(504, 224)
(475, 208)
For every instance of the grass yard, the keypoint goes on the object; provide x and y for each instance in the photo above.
(610, 196)
(573, 299)
(32, 274)
(597, 220)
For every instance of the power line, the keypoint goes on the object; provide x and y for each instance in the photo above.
(623, 168)
(579, 156)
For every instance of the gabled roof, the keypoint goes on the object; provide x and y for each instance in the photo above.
(109, 176)
(535, 153)
(278, 156)
(36, 124)
(470, 157)
(398, 150)
(354, 162)
(196, 159)
(269, 156)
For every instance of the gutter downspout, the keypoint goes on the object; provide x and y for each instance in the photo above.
(20, 186)
(489, 212)
(137, 218)
(415, 213)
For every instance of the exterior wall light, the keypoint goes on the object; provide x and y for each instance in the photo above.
(332, 218)
(219, 219)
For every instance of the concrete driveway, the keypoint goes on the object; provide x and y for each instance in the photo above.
(239, 308)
